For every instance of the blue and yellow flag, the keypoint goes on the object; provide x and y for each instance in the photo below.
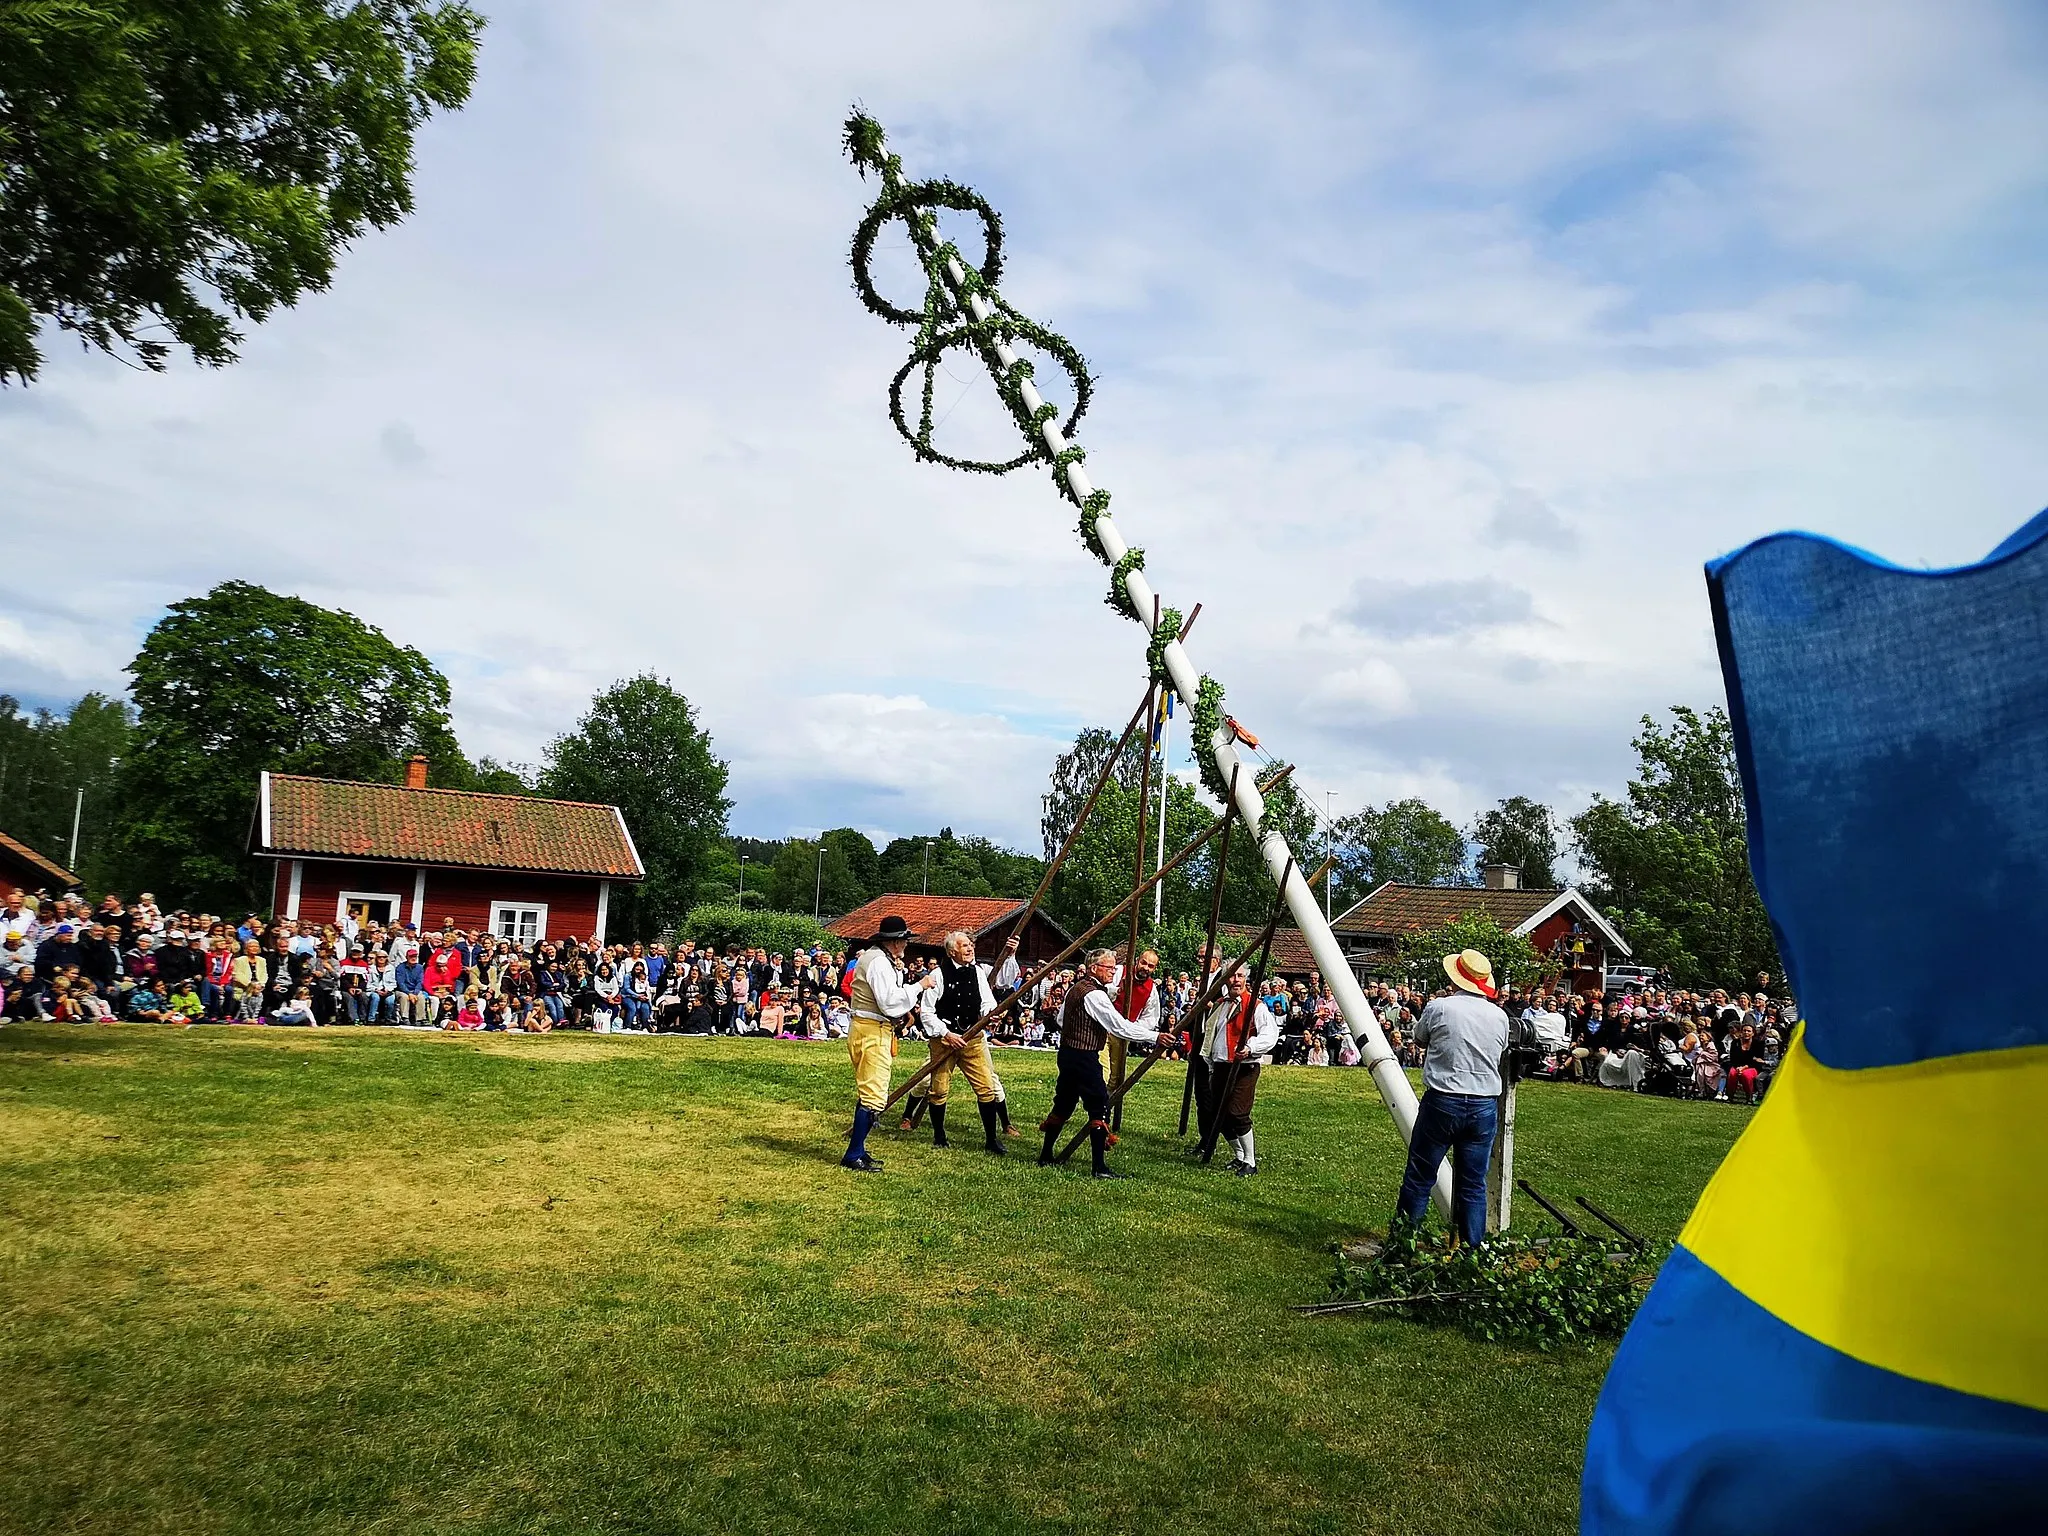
(1852, 1335)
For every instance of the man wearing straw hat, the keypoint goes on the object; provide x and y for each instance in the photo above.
(880, 999)
(1464, 1036)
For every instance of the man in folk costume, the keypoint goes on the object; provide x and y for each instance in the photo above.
(1137, 999)
(880, 1000)
(1087, 1022)
(1238, 1037)
(961, 1000)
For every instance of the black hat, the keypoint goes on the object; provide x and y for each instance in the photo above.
(892, 929)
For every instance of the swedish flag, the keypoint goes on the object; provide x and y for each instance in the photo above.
(1853, 1332)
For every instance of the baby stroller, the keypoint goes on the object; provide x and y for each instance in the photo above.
(1669, 1075)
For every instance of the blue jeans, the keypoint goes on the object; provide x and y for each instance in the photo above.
(1462, 1124)
(639, 1012)
(553, 1004)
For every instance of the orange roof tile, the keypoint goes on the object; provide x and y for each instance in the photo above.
(1291, 955)
(930, 918)
(344, 819)
(1400, 909)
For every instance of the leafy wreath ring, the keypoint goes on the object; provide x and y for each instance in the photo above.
(916, 204)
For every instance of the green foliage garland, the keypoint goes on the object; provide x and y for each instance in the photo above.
(1119, 597)
(1096, 506)
(945, 323)
(1507, 1290)
(1208, 719)
(1164, 633)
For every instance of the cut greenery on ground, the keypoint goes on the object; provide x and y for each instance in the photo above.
(270, 1281)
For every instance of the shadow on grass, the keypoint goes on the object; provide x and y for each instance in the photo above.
(789, 1146)
(39, 1044)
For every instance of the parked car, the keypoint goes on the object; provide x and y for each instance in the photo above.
(1627, 978)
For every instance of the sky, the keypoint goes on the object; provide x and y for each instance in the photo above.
(1437, 346)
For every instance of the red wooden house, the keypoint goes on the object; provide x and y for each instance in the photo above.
(512, 865)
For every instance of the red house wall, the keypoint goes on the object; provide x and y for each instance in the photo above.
(460, 896)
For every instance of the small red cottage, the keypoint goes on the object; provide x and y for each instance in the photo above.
(931, 918)
(512, 865)
(1563, 925)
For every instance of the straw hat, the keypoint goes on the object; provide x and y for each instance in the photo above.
(1472, 972)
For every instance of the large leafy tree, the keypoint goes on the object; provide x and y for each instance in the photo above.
(242, 680)
(1405, 840)
(639, 747)
(168, 167)
(958, 866)
(1521, 832)
(46, 760)
(1671, 862)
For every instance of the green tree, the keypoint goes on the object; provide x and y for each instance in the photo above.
(242, 680)
(1521, 832)
(958, 866)
(1404, 840)
(45, 761)
(1515, 960)
(863, 865)
(1671, 862)
(639, 747)
(174, 167)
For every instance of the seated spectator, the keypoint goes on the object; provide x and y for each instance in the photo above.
(185, 1005)
(1745, 1064)
(469, 1014)
(146, 1005)
(297, 1010)
(770, 1018)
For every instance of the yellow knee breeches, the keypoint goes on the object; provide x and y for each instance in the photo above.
(974, 1062)
(871, 1046)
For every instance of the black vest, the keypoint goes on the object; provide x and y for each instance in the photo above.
(960, 1004)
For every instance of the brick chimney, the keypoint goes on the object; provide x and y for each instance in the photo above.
(1501, 877)
(416, 771)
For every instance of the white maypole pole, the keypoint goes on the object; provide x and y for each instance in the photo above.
(957, 289)
(1165, 800)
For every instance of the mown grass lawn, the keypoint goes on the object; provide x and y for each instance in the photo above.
(270, 1281)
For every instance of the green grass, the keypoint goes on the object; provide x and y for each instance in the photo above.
(270, 1281)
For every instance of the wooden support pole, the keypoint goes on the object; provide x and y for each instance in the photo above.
(1200, 841)
(1203, 1001)
(1052, 869)
(1117, 1052)
(1187, 1087)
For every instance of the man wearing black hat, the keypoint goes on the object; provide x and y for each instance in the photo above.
(880, 999)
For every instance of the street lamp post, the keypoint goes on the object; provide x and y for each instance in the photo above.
(818, 887)
(743, 882)
(926, 888)
(1330, 882)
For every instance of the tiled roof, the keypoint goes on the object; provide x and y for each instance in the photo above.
(34, 860)
(344, 819)
(930, 918)
(1291, 955)
(1402, 909)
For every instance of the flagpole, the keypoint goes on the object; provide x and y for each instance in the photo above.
(1165, 800)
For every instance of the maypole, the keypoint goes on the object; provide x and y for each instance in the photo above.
(962, 310)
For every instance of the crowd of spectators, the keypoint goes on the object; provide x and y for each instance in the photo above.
(63, 959)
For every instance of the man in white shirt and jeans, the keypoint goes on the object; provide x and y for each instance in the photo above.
(1464, 1036)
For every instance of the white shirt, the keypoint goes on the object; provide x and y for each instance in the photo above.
(1258, 1043)
(1550, 1028)
(936, 1028)
(1101, 1007)
(875, 974)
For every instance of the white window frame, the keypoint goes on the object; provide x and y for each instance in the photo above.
(397, 905)
(539, 908)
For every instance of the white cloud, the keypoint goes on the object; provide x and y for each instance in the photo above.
(1371, 297)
